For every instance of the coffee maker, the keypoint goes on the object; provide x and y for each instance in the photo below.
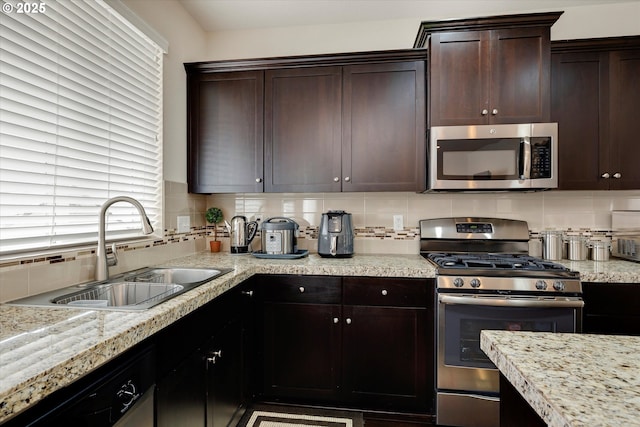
(335, 238)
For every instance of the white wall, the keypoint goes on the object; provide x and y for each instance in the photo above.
(187, 43)
(615, 19)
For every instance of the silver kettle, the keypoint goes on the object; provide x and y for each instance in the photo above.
(241, 234)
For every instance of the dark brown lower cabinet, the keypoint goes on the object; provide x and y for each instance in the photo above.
(202, 372)
(358, 342)
(302, 349)
(385, 357)
(611, 308)
(180, 395)
(514, 410)
(223, 361)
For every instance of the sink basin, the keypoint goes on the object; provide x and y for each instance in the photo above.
(136, 290)
(121, 294)
(179, 276)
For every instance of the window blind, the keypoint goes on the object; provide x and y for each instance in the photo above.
(80, 122)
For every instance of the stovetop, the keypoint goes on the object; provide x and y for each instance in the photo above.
(490, 255)
(497, 265)
(482, 261)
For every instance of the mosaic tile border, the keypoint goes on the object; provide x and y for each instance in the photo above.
(171, 236)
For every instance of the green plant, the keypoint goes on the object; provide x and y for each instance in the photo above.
(214, 216)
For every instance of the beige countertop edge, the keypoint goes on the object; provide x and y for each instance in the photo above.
(571, 380)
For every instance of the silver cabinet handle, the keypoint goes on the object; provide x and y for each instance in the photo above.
(336, 179)
(348, 321)
(213, 356)
(258, 179)
(336, 320)
(606, 175)
(346, 178)
(617, 175)
(494, 111)
(485, 112)
(384, 292)
(247, 293)
(301, 288)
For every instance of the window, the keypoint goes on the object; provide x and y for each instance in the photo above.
(80, 122)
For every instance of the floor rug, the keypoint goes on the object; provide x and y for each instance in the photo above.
(292, 416)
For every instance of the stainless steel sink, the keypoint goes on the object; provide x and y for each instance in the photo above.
(136, 290)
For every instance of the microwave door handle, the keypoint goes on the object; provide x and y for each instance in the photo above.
(525, 158)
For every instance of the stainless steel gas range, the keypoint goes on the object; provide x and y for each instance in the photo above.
(486, 280)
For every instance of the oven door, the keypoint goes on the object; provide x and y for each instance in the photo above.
(466, 378)
(462, 365)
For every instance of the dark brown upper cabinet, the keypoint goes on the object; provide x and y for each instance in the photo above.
(341, 122)
(225, 131)
(303, 112)
(595, 90)
(489, 70)
(384, 127)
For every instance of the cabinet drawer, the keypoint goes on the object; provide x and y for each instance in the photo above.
(301, 289)
(384, 291)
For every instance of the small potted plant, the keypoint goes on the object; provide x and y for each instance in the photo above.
(214, 216)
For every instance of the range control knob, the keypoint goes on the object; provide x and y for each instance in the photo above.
(541, 285)
(558, 285)
(458, 282)
(475, 283)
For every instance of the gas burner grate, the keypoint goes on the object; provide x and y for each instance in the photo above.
(493, 262)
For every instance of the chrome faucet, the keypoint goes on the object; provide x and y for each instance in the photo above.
(103, 262)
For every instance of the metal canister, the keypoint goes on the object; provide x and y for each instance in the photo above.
(535, 244)
(552, 244)
(600, 249)
(577, 246)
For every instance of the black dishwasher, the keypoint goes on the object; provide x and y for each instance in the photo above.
(119, 394)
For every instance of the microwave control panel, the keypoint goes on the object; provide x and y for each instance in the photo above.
(540, 157)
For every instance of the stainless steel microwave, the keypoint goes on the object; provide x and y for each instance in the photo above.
(493, 157)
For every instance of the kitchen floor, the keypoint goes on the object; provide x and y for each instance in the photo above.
(373, 419)
(376, 420)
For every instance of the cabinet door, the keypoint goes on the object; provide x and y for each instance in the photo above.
(180, 395)
(303, 129)
(385, 357)
(459, 69)
(497, 76)
(225, 132)
(224, 372)
(611, 308)
(302, 350)
(625, 126)
(384, 120)
(579, 104)
(520, 75)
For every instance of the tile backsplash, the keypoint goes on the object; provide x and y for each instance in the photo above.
(542, 210)
(372, 218)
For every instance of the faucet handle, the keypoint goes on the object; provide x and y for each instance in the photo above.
(112, 258)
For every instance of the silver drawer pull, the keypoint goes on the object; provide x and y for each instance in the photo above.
(336, 320)
(301, 289)
(384, 292)
(348, 321)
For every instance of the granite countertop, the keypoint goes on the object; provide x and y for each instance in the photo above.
(44, 349)
(612, 271)
(571, 379)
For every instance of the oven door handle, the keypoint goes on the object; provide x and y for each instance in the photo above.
(526, 302)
